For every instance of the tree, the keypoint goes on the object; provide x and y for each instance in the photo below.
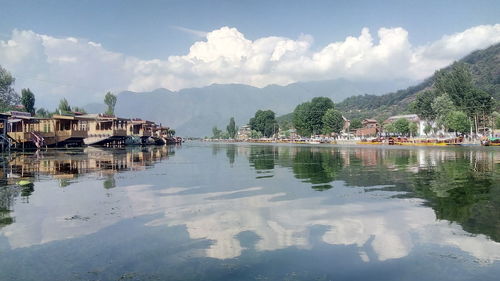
(264, 121)
(402, 126)
(442, 105)
(231, 128)
(42, 112)
(28, 100)
(458, 122)
(389, 128)
(64, 106)
(300, 119)
(110, 101)
(457, 83)
(308, 116)
(423, 105)
(79, 109)
(255, 134)
(319, 106)
(216, 133)
(355, 124)
(332, 121)
(496, 120)
(413, 128)
(427, 129)
(8, 96)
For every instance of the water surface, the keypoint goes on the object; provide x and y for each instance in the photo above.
(251, 212)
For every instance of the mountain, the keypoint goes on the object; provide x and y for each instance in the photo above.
(485, 69)
(194, 111)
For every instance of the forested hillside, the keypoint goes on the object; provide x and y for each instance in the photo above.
(483, 64)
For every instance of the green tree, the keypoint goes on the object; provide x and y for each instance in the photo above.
(110, 101)
(42, 112)
(231, 128)
(255, 134)
(458, 122)
(413, 128)
(28, 100)
(301, 119)
(496, 120)
(216, 133)
(264, 121)
(308, 116)
(8, 96)
(355, 124)
(457, 83)
(389, 128)
(64, 106)
(423, 105)
(319, 106)
(427, 129)
(443, 105)
(79, 109)
(402, 126)
(332, 121)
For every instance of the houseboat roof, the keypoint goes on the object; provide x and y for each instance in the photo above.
(103, 117)
(140, 121)
(67, 117)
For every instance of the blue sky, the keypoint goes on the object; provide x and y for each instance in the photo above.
(145, 28)
(82, 49)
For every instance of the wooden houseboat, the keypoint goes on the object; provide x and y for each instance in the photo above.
(140, 132)
(60, 130)
(105, 129)
(70, 130)
(4, 139)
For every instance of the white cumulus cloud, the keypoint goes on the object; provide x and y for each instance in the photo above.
(83, 71)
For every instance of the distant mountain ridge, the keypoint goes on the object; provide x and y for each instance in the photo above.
(194, 111)
(485, 68)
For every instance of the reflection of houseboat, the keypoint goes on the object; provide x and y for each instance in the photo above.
(105, 129)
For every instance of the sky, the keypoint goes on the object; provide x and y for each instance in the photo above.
(82, 49)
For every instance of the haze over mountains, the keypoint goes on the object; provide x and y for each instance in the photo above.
(194, 111)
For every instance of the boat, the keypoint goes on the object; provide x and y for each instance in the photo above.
(490, 141)
(105, 129)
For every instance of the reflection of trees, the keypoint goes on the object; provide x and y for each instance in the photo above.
(109, 182)
(262, 157)
(462, 186)
(7, 195)
(231, 153)
(459, 192)
(317, 166)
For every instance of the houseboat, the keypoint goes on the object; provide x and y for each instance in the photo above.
(139, 132)
(105, 129)
(26, 131)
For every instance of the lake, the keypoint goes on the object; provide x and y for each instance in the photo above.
(209, 211)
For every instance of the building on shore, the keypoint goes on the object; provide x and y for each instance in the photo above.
(244, 132)
(370, 128)
(412, 118)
